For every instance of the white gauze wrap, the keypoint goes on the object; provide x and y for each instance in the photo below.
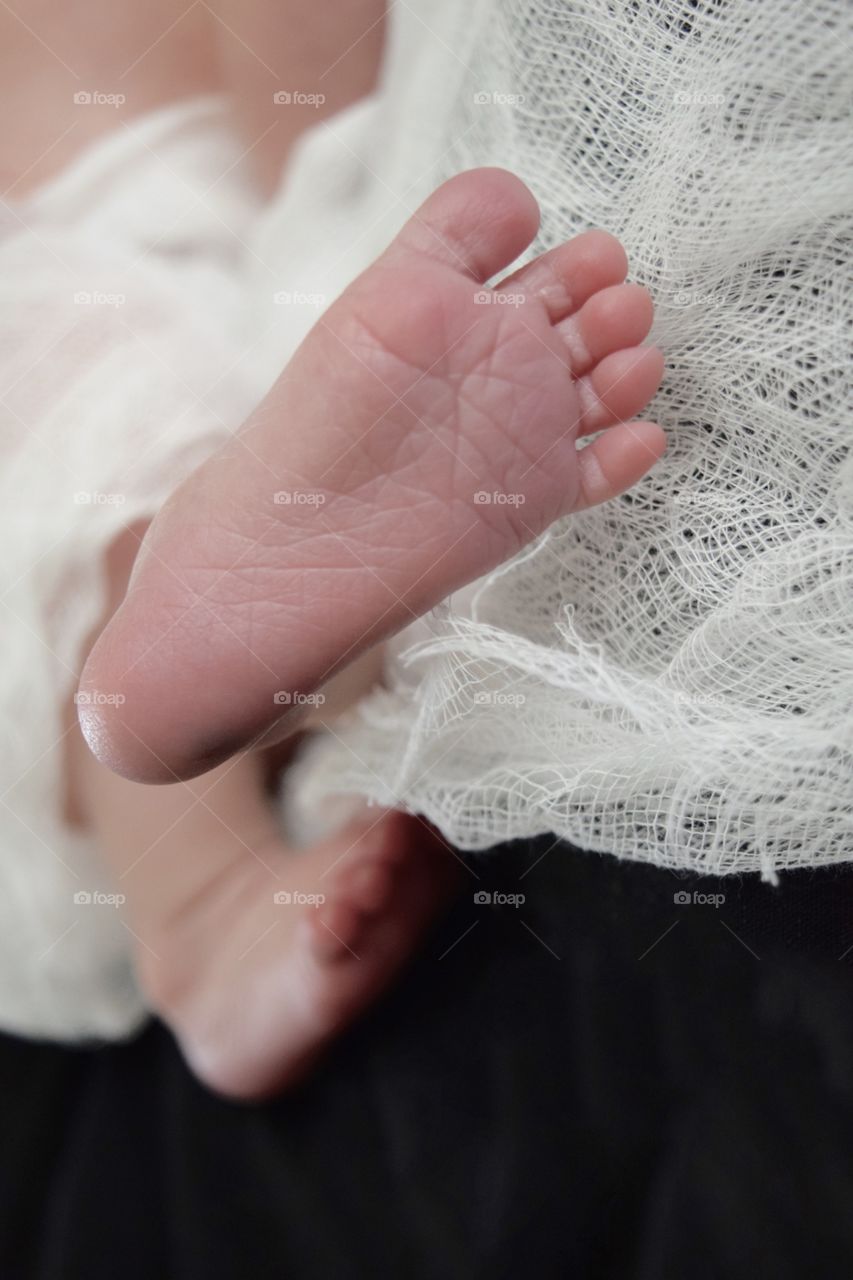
(669, 677)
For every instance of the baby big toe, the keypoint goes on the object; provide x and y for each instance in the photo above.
(478, 222)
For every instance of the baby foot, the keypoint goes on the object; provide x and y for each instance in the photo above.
(275, 953)
(425, 431)
(256, 954)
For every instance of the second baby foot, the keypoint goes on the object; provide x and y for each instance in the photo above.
(425, 430)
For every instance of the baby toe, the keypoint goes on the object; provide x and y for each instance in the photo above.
(477, 222)
(565, 277)
(613, 319)
(618, 387)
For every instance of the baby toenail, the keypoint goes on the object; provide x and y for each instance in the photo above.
(556, 297)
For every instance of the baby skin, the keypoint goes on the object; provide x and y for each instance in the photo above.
(420, 390)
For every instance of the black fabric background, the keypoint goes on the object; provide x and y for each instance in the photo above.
(668, 1094)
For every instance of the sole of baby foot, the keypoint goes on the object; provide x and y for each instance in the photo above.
(279, 957)
(428, 428)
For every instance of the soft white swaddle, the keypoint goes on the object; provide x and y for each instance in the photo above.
(667, 678)
(120, 325)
